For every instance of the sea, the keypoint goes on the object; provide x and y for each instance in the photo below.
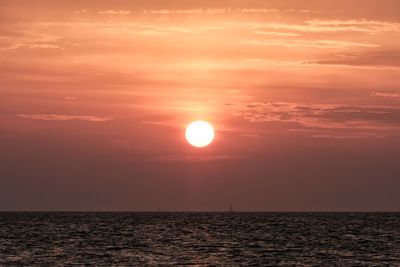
(199, 239)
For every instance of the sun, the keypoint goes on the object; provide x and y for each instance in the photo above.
(199, 133)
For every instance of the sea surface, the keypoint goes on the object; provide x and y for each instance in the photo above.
(259, 239)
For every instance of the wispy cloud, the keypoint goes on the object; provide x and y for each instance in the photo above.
(250, 135)
(63, 117)
(320, 26)
(70, 98)
(147, 29)
(377, 58)
(208, 11)
(285, 34)
(160, 123)
(115, 12)
(385, 94)
(370, 26)
(347, 136)
(29, 40)
(81, 11)
(198, 158)
(312, 43)
(324, 116)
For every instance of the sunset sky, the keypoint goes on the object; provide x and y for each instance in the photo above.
(304, 97)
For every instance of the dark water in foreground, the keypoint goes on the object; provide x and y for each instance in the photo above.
(327, 239)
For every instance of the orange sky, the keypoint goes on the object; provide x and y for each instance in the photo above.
(95, 96)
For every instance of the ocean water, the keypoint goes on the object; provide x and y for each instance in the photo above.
(260, 239)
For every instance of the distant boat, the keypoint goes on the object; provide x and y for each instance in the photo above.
(230, 209)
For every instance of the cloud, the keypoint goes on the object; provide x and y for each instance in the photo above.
(198, 158)
(284, 34)
(186, 11)
(312, 43)
(385, 94)
(262, 10)
(115, 12)
(128, 29)
(369, 26)
(82, 11)
(61, 117)
(347, 136)
(381, 58)
(159, 123)
(250, 135)
(29, 40)
(324, 116)
(208, 11)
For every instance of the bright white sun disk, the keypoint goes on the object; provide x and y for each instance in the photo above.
(199, 133)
